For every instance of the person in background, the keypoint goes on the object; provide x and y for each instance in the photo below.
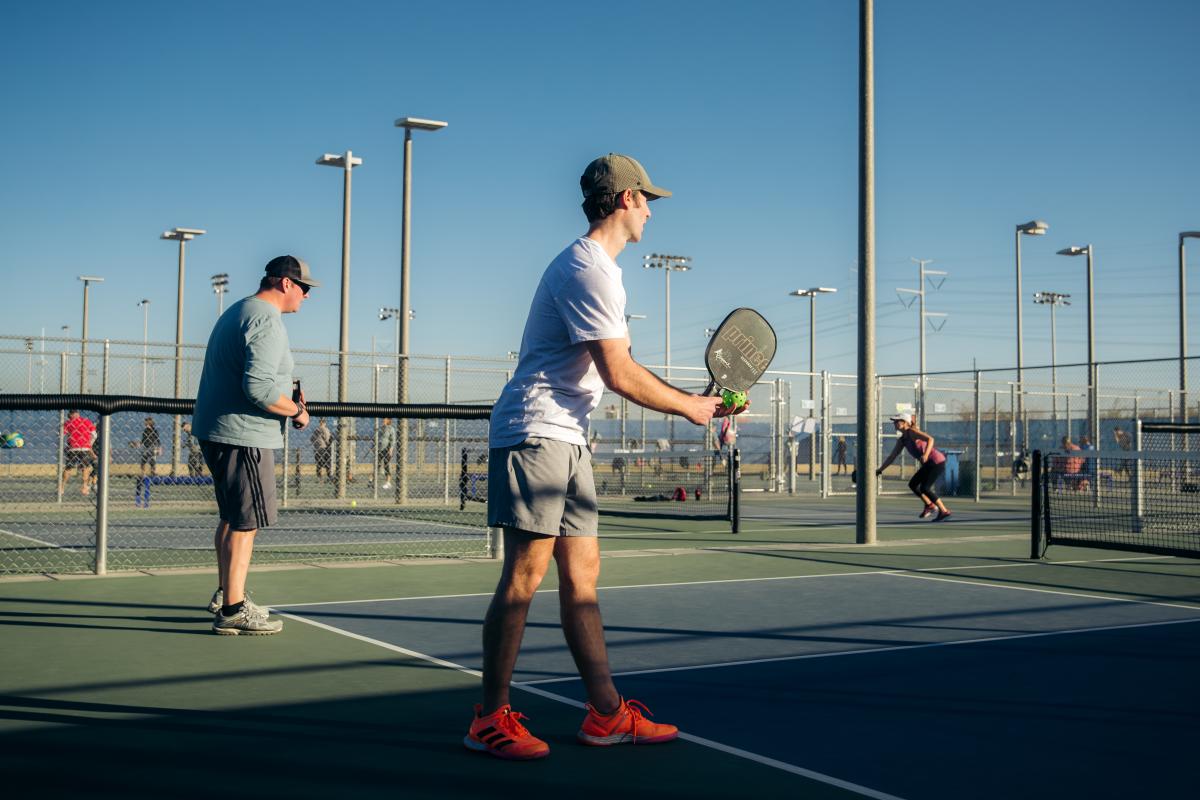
(933, 463)
(78, 433)
(841, 455)
(151, 448)
(387, 442)
(195, 456)
(322, 442)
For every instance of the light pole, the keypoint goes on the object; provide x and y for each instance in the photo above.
(409, 124)
(811, 294)
(220, 284)
(1054, 300)
(1183, 323)
(1034, 227)
(625, 401)
(668, 264)
(865, 505)
(1093, 389)
(181, 235)
(346, 163)
(87, 279)
(144, 304)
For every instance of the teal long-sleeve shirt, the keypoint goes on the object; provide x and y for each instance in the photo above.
(247, 367)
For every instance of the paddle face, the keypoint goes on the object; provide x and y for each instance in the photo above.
(740, 351)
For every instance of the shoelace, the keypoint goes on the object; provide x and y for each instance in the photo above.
(510, 723)
(638, 711)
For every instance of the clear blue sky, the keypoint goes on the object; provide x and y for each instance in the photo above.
(123, 120)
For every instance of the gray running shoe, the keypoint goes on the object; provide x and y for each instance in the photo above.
(252, 620)
(218, 599)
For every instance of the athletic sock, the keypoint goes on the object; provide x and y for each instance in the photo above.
(229, 611)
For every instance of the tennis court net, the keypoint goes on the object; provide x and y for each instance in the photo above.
(1145, 498)
(364, 482)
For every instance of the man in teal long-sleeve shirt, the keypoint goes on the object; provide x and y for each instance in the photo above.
(243, 402)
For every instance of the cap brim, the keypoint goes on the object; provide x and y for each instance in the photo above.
(655, 192)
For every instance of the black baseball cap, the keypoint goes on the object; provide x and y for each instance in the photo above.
(291, 267)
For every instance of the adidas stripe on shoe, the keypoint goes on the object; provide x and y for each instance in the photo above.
(502, 735)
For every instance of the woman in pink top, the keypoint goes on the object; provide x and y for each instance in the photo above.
(933, 463)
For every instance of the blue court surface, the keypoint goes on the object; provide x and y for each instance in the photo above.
(910, 684)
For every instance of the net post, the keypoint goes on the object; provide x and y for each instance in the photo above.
(1037, 537)
(735, 490)
(462, 482)
(1136, 509)
(102, 496)
(495, 544)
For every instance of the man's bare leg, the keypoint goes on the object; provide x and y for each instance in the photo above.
(526, 558)
(219, 546)
(578, 559)
(237, 548)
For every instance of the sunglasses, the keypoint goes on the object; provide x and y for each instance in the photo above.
(304, 287)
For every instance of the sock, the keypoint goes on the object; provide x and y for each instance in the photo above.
(229, 611)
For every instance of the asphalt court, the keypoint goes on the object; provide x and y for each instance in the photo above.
(893, 684)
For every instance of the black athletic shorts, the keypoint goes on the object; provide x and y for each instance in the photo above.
(244, 482)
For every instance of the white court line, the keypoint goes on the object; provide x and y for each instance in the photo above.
(709, 743)
(42, 542)
(1037, 590)
(875, 650)
(744, 580)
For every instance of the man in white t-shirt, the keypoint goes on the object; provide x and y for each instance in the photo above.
(540, 485)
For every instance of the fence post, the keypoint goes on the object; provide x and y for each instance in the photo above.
(62, 418)
(104, 368)
(102, 496)
(978, 440)
(1012, 432)
(1135, 481)
(826, 434)
(995, 441)
(286, 452)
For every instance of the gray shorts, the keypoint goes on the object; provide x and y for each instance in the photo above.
(244, 482)
(542, 486)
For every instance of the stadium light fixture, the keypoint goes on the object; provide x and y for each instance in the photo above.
(1093, 397)
(181, 235)
(811, 294)
(409, 124)
(1035, 227)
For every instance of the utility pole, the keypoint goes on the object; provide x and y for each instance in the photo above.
(922, 275)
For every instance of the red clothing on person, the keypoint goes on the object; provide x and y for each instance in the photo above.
(916, 448)
(79, 433)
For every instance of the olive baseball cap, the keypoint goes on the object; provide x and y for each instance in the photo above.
(291, 267)
(615, 173)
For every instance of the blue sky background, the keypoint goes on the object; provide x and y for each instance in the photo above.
(123, 120)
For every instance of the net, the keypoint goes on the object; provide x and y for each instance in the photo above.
(140, 496)
(364, 482)
(1145, 498)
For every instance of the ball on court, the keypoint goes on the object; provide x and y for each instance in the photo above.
(733, 399)
(354, 504)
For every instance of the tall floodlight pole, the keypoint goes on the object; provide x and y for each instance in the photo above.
(181, 235)
(1054, 300)
(385, 314)
(1034, 227)
(409, 124)
(346, 163)
(144, 304)
(625, 401)
(220, 284)
(668, 264)
(87, 279)
(868, 426)
(811, 294)
(1183, 324)
(1094, 389)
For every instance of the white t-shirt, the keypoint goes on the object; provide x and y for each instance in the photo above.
(556, 385)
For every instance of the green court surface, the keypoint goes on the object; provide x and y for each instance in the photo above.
(116, 686)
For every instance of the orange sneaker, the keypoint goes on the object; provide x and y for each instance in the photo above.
(501, 734)
(626, 725)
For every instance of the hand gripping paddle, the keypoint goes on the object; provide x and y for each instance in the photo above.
(738, 354)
